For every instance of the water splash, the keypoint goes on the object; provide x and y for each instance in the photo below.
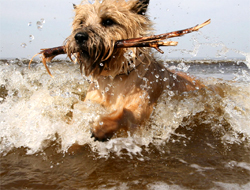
(242, 76)
(247, 55)
(36, 110)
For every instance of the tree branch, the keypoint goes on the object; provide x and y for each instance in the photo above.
(154, 41)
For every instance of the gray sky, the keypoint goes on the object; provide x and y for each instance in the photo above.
(227, 36)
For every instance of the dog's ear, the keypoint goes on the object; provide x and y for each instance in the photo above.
(140, 7)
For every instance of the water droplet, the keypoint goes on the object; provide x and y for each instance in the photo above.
(42, 20)
(183, 67)
(157, 76)
(106, 89)
(128, 54)
(170, 93)
(132, 65)
(39, 25)
(101, 64)
(222, 71)
(165, 79)
(29, 23)
(31, 37)
(23, 45)
(101, 123)
(91, 1)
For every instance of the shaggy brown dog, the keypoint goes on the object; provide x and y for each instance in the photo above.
(128, 82)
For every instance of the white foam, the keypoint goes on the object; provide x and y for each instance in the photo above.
(37, 111)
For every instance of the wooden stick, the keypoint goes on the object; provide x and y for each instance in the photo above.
(166, 35)
(154, 41)
(153, 44)
(133, 41)
(48, 55)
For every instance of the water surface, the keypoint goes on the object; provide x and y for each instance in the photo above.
(195, 140)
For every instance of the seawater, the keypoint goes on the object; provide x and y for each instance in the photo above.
(194, 140)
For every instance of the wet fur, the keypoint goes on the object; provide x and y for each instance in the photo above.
(128, 85)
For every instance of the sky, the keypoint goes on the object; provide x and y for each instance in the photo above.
(26, 26)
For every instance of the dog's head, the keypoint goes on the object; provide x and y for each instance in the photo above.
(97, 26)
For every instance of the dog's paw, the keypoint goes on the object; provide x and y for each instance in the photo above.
(101, 139)
(104, 130)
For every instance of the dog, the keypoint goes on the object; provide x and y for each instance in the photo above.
(128, 81)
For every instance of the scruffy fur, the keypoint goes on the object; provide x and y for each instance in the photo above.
(128, 81)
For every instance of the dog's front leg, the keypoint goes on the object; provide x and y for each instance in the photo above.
(129, 111)
(107, 125)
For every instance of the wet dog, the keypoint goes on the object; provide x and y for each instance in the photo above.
(128, 81)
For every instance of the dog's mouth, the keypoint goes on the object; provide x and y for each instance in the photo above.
(92, 52)
(92, 59)
(83, 54)
(91, 65)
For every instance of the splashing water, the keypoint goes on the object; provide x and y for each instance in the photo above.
(37, 109)
(247, 55)
(201, 136)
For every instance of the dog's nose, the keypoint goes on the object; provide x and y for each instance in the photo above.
(81, 37)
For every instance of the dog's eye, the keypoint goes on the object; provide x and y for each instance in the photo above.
(108, 22)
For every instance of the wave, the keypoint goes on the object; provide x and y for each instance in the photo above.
(37, 111)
